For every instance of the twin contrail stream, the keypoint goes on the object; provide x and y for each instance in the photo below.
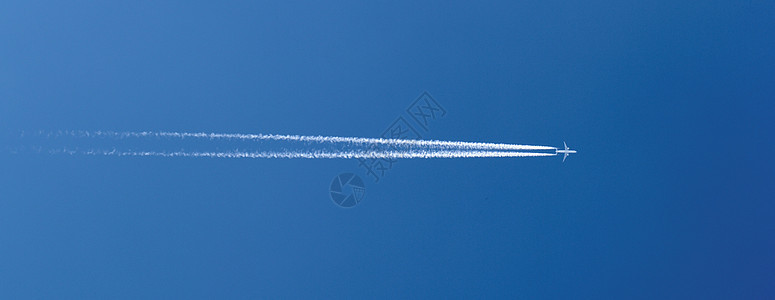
(237, 145)
(322, 154)
(322, 139)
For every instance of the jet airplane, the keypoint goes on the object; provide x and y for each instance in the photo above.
(566, 151)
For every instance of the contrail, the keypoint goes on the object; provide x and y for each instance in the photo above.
(322, 147)
(319, 154)
(321, 139)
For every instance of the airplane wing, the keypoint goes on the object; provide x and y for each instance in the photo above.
(564, 157)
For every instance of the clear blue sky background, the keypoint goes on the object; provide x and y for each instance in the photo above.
(670, 104)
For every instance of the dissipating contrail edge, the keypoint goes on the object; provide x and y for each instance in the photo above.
(321, 139)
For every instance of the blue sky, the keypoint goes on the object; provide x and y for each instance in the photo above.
(668, 102)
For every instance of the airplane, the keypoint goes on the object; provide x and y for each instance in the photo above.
(566, 151)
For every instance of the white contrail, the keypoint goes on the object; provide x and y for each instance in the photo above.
(323, 139)
(320, 154)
